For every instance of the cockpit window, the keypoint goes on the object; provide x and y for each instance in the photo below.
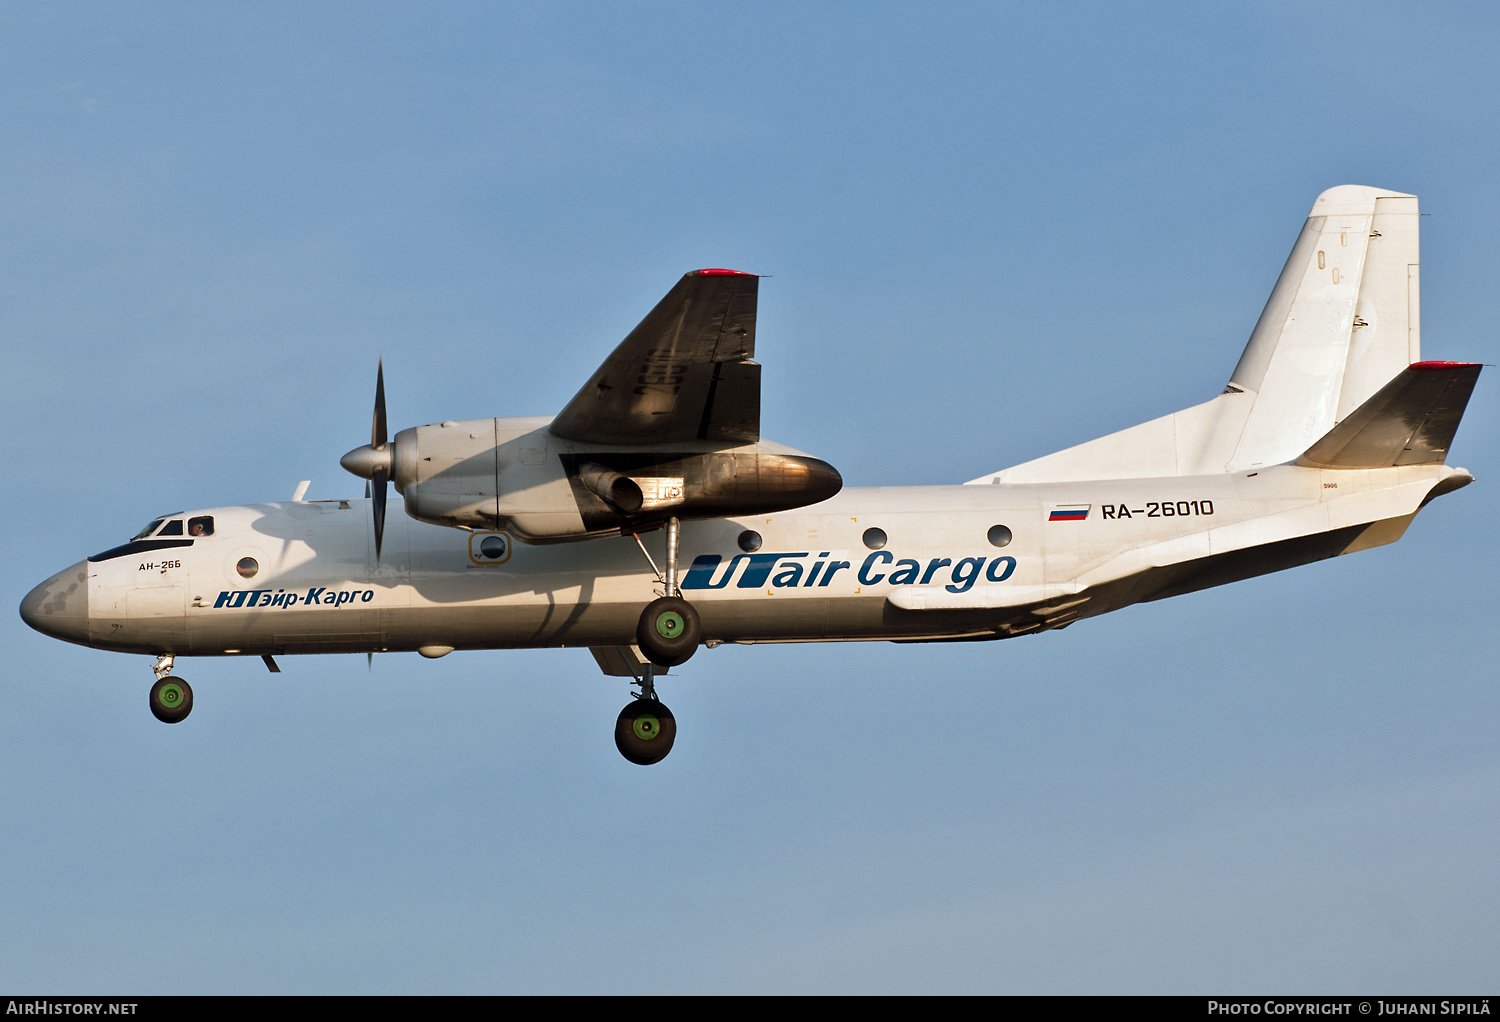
(200, 527)
(172, 528)
(148, 530)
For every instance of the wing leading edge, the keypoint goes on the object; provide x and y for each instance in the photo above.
(685, 373)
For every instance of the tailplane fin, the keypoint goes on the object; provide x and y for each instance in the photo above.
(1409, 421)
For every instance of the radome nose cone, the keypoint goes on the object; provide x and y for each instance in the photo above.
(59, 607)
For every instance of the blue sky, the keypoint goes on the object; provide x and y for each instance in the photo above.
(992, 231)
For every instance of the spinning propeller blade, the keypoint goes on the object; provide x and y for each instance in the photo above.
(382, 473)
(374, 462)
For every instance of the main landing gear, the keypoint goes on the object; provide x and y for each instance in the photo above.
(667, 634)
(171, 698)
(646, 729)
(668, 631)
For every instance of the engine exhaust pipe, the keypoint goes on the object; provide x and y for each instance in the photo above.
(618, 491)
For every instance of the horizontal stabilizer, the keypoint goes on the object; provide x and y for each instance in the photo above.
(1409, 421)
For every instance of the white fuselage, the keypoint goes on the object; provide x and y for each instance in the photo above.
(1077, 549)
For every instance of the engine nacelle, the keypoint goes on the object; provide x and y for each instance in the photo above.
(515, 474)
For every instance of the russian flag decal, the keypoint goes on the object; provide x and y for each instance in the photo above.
(1069, 513)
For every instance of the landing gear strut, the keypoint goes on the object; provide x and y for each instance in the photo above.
(669, 630)
(645, 730)
(171, 698)
(668, 633)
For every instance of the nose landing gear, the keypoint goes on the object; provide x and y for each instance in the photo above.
(171, 698)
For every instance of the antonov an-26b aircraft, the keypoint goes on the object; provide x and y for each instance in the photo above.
(573, 531)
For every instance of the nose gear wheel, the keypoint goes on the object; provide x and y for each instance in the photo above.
(171, 700)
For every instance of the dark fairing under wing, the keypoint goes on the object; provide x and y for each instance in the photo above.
(683, 374)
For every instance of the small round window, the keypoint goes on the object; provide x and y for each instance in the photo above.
(247, 567)
(999, 535)
(749, 541)
(493, 547)
(875, 539)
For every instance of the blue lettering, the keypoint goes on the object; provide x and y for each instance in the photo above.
(1010, 566)
(710, 571)
(788, 577)
(367, 596)
(759, 567)
(238, 599)
(701, 574)
(907, 575)
(828, 575)
(963, 580)
(313, 596)
(937, 562)
(222, 600)
(883, 557)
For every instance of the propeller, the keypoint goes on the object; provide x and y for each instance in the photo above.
(373, 462)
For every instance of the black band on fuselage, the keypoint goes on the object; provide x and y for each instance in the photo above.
(139, 546)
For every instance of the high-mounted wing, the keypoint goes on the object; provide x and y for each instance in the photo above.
(683, 374)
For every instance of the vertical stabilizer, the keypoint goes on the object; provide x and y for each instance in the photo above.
(1340, 323)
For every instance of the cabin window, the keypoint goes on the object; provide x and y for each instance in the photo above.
(875, 539)
(998, 535)
(200, 527)
(148, 530)
(247, 567)
(172, 528)
(749, 541)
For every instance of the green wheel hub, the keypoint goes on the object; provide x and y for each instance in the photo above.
(646, 727)
(171, 700)
(669, 625)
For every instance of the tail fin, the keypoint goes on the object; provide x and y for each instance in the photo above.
(1409, 421)
(1342, 321)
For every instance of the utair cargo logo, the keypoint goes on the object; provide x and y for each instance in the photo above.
(320, 596)
(754, 570)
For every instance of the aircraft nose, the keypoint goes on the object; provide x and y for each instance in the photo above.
(59, 607)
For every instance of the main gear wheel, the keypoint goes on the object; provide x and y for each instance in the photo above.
(645, 731)
(669, 631)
